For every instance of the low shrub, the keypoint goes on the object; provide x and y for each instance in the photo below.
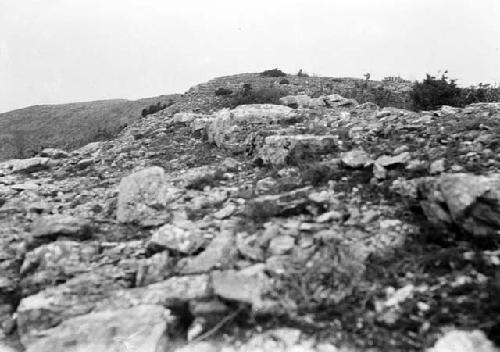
(153, 109)
(223, 91)
(273, 73)
(284, 81)
(317, 174)
(248, 95)
(302, 74)
(434, 92)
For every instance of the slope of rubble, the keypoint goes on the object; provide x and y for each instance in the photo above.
(332, 226)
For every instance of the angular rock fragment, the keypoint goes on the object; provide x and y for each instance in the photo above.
(50, 227)
(471, 202)
(182, 236)
(172, 292)
(186, 117)
(56, 262)
(291, 149)
(143, 197)
(137, 329)
(77, 296)
(247, 286)
(356, 158)
(220, 253)
(293, 202)
(388, 161)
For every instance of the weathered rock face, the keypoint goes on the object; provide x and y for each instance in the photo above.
(143, 197)
(471, 202)
(141, 328)
(286, 149)
(230, 128)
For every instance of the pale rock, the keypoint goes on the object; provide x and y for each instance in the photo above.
(356, 158)
(469, 201)
(144, 196)
(137, 329)
(153, 269)
(84, 163)
(220, 253)
(181, 236)
(76, 296)
(247, 286)
(172, 292)
(281, 245)
(186, 117)
(302, 101)
(463, 341)
(388, 161)
(449, 110)
(27, 186)
(229, 129)
(230, 164)
(54, 153)
(265, 185)
(437, 167)
(290, 149)
(90, 149)
(379, 172)
(383, 113)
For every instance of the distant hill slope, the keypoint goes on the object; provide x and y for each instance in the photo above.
(24, 132)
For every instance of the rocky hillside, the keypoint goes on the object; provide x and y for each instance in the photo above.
(332, 226)
(24, 132)
(386, 93)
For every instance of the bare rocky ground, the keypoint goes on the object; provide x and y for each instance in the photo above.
(334, 226)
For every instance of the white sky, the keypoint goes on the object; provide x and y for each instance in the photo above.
(56, 51)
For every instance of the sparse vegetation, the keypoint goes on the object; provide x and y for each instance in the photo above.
(302, 74)
(434, 92)
(273, 73)
(248, 95)
(223, 91)
(284, 81)
(154, 108)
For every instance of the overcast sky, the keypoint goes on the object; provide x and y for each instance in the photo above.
(56, 51)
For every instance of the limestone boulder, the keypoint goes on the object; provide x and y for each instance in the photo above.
(229, 128)
(468, 201)
(141, 328)
(291, 149)
(144, 196)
